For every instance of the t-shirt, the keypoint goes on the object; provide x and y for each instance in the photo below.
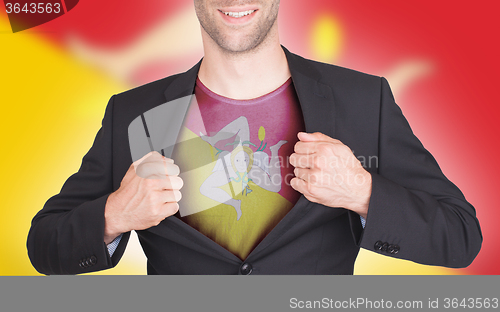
(234, 159)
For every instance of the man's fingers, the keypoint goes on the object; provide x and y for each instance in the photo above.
(153, 156)
(172, 183)
(297, 184)
(318, 160)
(313, 147)
(157, 170)
(165, 184)
(302, 161)
(316, 137)
(170, 196)
(300, 186)
(171, 208)
(323, 148)
(302, 174)
(312, 143)
(312, 177)
(164, 211)
(172, 169)
(143, 158)
(305, 148)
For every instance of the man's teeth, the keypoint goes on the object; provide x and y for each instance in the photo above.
(239, 14)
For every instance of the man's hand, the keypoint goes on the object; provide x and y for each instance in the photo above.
(327, 172)
(148, 193)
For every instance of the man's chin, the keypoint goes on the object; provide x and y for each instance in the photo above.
(240, 46)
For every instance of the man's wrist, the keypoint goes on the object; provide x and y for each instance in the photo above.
(110, 230)
(364, 195)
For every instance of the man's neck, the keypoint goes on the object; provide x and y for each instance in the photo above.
(244, 75)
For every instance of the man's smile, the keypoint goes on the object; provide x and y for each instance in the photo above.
(238, 14)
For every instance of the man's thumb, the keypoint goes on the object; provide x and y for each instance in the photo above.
(315, 137)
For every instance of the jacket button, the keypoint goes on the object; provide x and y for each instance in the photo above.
(246, 269)
(390, 249)
(93, 260)
(378, 245)
(393, 249)
(83, 264)
(384, 247)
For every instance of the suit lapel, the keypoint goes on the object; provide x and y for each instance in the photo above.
(157, 128)
(318, 110)
(183, 85)
(178, 96)
(316, 99)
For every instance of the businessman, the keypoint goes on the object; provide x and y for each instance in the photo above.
(272, 175)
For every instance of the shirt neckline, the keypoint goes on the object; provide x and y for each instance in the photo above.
(257, 100)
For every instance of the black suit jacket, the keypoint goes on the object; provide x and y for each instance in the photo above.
(415, 212)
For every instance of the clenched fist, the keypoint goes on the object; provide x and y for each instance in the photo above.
(148, 193)
(327, 172)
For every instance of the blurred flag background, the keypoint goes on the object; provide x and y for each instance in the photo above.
(440, 57)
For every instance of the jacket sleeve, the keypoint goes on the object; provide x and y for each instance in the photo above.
(67, 235)
(415, 212)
